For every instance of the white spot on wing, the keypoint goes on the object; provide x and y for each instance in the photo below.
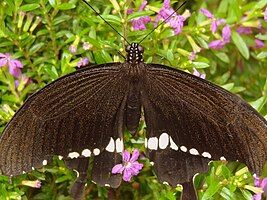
(77, 173)
(86, 153)
(111, 145)
(152, 143)
(96, 151)
(44, 162)
(60, 157)
(73, 155)
(193, 151)
(206, 155)
(166, 183)
(183, 148)
(152, 163)
(119, 145)
(173, 145)
(107, 185)
(33, 168)
(164, 140)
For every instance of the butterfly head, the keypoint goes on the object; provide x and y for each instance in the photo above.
(134, 53)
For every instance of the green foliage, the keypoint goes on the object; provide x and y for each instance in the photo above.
(40, 32)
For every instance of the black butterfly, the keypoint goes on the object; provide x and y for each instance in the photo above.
(190, 121)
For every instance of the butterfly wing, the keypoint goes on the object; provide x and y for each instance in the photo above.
(81, 111)
(201, 118)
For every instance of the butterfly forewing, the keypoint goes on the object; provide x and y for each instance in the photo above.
(201, 117)
(80, 111)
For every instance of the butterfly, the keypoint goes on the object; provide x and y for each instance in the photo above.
(190, 121)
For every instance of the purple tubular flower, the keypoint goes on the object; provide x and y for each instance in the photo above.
(143, 5)
(35, 184)
(198, 74)
(217, 44)
(14, 65)
(140, 22)
(207, 13)
(215, 23)
(130, 166)
(259, 44)
(175, 21)
(226, 34)
(261, 184)
(192, 56)
(244, 30)
(73, 49)
(82, 62)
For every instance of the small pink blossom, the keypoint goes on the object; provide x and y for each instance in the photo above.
(23, 79)
(87, 46)
(192, 56)
(244, 30)
(73, 49)
(226, 34)
(35, 184)
(261, 184)
(83, 62)
(259, 44)
(140, 22)
(175, 21)
(130, 166)
(198, 74)
(216, 44)
(14, 65)
(207, 13)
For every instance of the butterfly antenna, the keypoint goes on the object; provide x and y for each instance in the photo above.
(163, 21)
(105, 21)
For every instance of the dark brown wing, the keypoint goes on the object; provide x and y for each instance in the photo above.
(83, 110)
(200, 117)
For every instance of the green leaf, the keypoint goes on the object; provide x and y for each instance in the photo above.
(36, 48)
(200, 65)
(222, 56)
(262, 55)
(139, 14)
(261, 4)
(240, 44)
(29, 7)
(66, 6)
(53, 3)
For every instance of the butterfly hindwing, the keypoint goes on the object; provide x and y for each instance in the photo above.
(83, 110)
(202, 118)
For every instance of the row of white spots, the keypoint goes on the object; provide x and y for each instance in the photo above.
(115, 145)
(165, 140)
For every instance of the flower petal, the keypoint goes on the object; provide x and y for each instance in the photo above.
(127, 175)
(117, 169)
(3, 62)
(216, 44)
(126, 156)
(206, 13)
(15, 63)
(264, 185)
(135, 155)
(16, 72)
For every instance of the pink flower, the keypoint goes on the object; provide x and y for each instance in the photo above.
(244, 30)
(23, 79)
(87, 46)
(176, 21)
(207, 13)
(259, 44)
(198, 74)
(261, 184)
(216, 44)
(14, 65)
(35, 184)
(83, 62)
(140, 22)
(215, 22)
(130, 166)
(73, 49)
(192, 55)
(226, 34)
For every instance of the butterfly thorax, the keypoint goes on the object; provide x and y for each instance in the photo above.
(134, 53)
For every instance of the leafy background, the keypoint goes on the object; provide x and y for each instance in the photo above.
(39, 33)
